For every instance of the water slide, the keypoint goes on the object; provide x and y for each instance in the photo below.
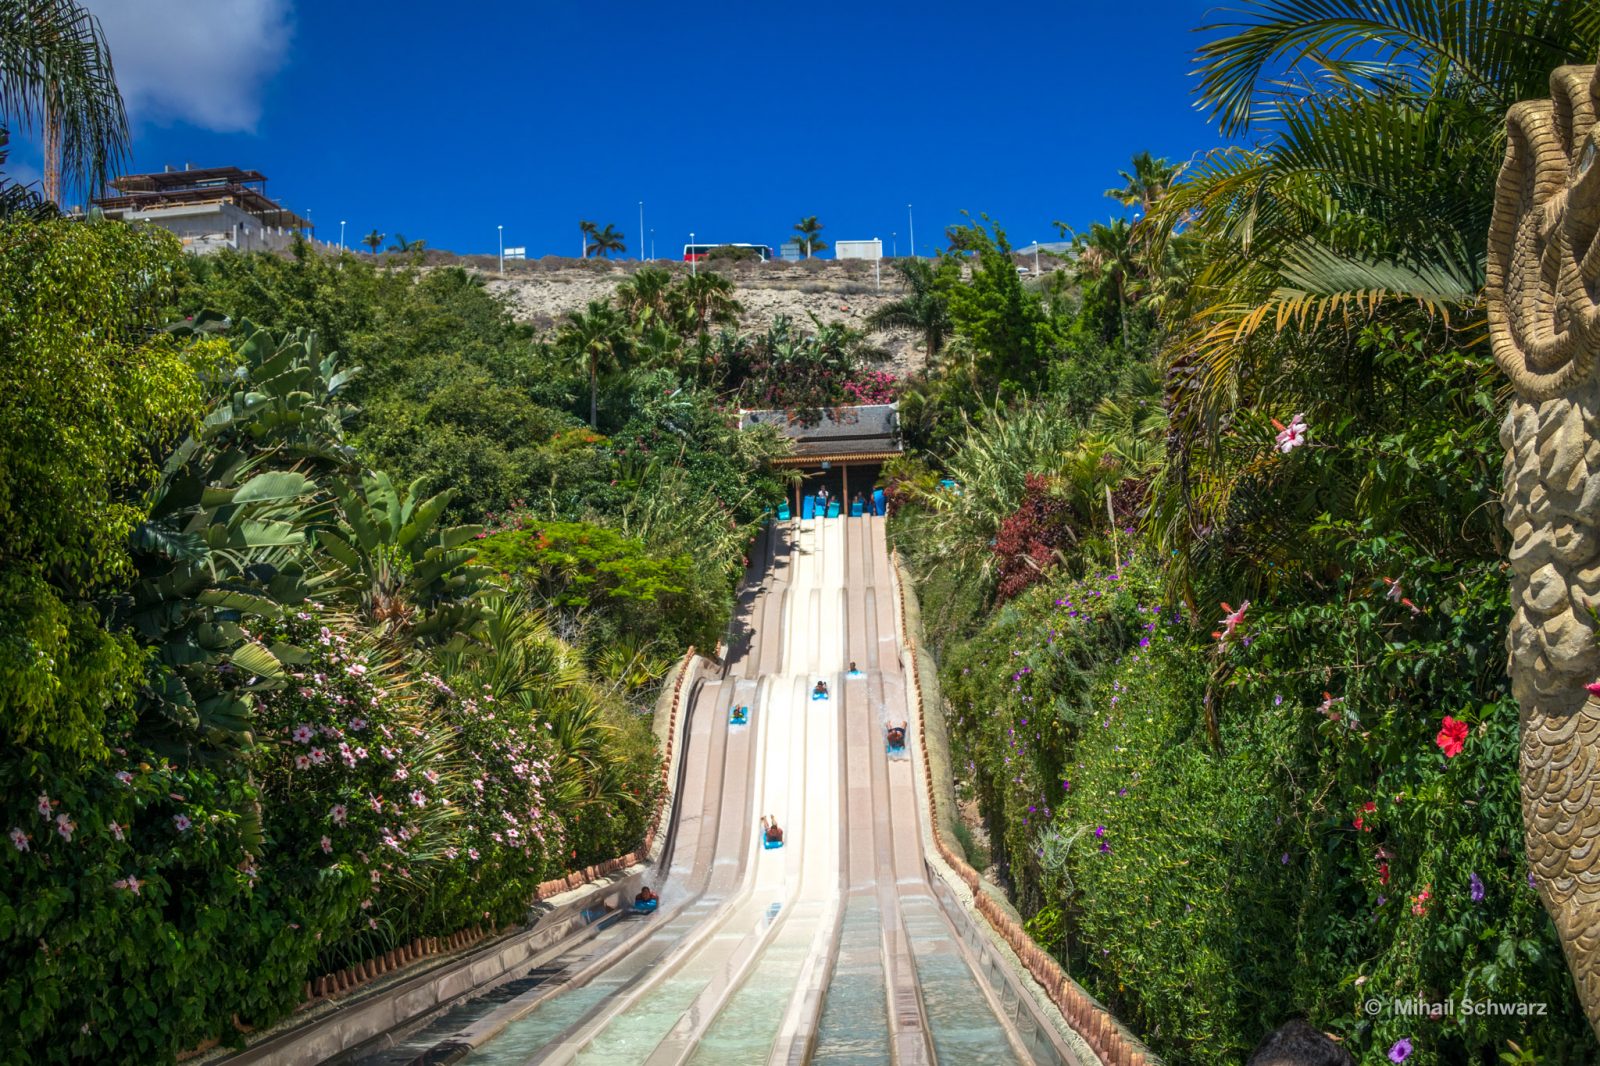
(835, 947)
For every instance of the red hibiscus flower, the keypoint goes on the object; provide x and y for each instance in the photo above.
(1452, 737)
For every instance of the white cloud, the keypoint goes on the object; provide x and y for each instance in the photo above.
(198, 61)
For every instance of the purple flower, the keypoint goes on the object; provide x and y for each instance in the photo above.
(1401, 1050)
(1099, 832)
(1284, 858)
(1105, 848)
(1531, 883)
(1477, 888)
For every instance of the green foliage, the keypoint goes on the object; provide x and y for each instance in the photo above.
(1004, 322)
(582, 569)
(88, 399)
(1208, 896)
(261, 719)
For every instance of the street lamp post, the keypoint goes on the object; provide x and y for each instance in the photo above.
(694, 257)
(652, 246)
(894, 245)
(641, 231)
(1036, 257)
(502, 232)
(341, 235)
(913, 223)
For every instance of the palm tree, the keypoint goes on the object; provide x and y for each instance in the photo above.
(56, 75)
(704, 299)
(922, 309)
(1107, 260)
(604, 242)
(1148, 183)
(809, 229)
(1385, 127)
(594, 337)
(402, 245)
(372, 240)
(645, 297)
(588, 229)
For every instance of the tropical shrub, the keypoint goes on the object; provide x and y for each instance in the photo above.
(611, 581)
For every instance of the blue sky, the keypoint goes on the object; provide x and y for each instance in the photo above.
(731, 120)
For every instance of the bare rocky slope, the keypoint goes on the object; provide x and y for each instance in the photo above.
(542, 292)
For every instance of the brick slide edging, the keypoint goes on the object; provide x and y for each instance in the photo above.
(1098, 1028)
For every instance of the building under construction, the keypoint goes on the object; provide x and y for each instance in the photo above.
(209, 209)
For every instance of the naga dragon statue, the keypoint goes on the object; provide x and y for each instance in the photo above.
(1543, 277)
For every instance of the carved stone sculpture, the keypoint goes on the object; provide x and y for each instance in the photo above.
(1543, 278)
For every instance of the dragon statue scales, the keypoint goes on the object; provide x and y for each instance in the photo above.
(1542, 281)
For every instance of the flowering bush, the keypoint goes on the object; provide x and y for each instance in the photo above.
(1336, 848)
(870, 386)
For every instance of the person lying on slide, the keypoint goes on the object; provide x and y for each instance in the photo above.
(853, 671)
(897, 735)
(821, 691)
(645, 896)
(770, 830)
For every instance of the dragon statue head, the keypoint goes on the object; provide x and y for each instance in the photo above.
(1542, 281)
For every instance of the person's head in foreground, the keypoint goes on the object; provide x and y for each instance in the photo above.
(1298, 1044)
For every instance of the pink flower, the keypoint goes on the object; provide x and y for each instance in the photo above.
(1593, 687)
(116, 830)
(358, 724)
(182, 822)
(304, 734)
(472, 853)
(319, 756)
(65, 826)
(44, 806)
(1230, 621)
(372, 923)
(418, 798)
(1291, 436)
(1394, 592)
(302, 762)
(129, 883)
(1326, 708)
(376, 876)
(338, 812)
(125, 777)
(327, 846)
(1452, 737)
(401, 773)
(19, 839)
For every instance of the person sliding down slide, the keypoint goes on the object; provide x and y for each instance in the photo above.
(897, 735)
(853, 671)
(770, 833)
(740, 715)
(821, 691)
(646, 901)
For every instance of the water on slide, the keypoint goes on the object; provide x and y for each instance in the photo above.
(830, 949)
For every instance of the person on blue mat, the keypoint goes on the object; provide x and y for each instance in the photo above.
(821, 691)
(645, 897)
(853, 671)
(897, 735)
(770, 830)
(741, 714)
